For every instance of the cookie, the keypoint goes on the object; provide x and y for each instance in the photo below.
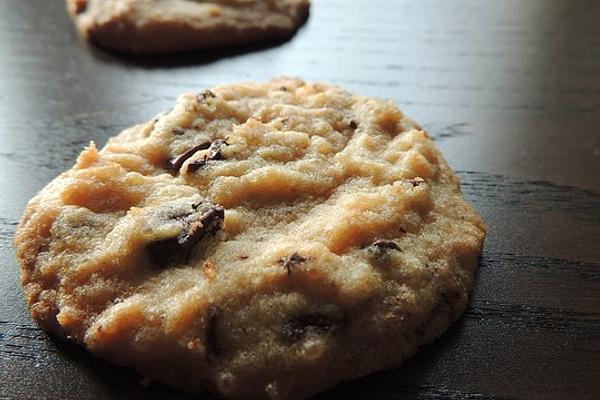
(164, 26)
(257, 241)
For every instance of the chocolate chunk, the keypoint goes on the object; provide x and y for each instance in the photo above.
(318, 323)
(211, 343)
(196, 165)
(213, 153)
(415, 181)
(353, 124)
(178, 161)
(205, 95)
(381, 248)
(384, 244)
(194, 227)
(290, 262)
(178, 131)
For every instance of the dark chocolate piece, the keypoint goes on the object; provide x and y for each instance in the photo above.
(194, 227)
(384, 244)
(213, 153)
(290, 262)
(178, 161)
(353, 124)
(415, 181)
(298, 327)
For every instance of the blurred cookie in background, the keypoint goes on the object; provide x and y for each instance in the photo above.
(167, 26)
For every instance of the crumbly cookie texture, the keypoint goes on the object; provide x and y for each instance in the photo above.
(258, 241)
(163, 26)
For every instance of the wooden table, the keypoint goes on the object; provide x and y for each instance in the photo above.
(510, 90)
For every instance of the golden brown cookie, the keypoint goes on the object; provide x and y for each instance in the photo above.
(258, 240)
(164, 26)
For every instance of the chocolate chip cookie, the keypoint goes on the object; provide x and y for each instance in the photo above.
(256, 241)
(164, 26)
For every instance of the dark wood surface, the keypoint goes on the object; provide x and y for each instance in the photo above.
(510, 90)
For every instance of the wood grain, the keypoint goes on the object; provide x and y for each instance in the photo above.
(509, 90)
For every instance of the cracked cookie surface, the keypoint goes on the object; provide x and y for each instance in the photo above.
(257, 241)
(164, 26)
